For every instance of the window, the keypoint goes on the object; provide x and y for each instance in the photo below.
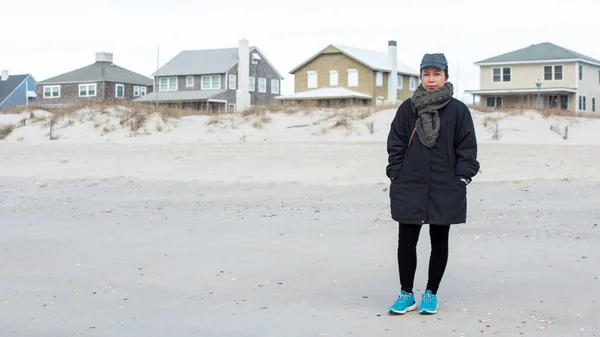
(168, 84)
(119, 90)
(413, 83)
(251, 84)
(553, 73)
(379, 79)
(581, 72)
(262, 84)
(87, 90)
(275, 86)
(582, 104)
(333, 78)
(211, 82)
(142, 91)
(494, 102)
(312, 79)
(352, 78)
(400, 82)
(230, 107)
(136, 91)
(593, 104)
(51, 91)
(501, 74)
(232, 81)
(189, 81)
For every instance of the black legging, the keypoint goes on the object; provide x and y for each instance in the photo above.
(408, 235)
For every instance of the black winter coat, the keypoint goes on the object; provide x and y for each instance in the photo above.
(426, 186)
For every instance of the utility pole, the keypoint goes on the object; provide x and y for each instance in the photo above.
(156, 78)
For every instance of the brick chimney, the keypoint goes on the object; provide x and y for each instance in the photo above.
(4, 75)
(104, 57)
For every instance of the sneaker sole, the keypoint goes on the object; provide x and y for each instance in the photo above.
(398, 312)
(428, 312)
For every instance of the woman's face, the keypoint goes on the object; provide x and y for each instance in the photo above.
(432, 78)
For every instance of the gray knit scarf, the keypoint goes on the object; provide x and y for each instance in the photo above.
(426, 105)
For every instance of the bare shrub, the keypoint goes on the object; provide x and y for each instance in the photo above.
(6, 130)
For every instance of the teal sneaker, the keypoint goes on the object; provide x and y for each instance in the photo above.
(428, 303)
(404, 303)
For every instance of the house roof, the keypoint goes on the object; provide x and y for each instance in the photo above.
(98, 72)
(186, 95)
(545, 51)
(324, 93)
(206, 61)
(10, 85)
(372, 59)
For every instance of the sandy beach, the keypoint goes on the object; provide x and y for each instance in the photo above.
(123, 257)
(205, 226)
(101, 240)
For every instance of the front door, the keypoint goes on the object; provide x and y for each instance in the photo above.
(564, 102)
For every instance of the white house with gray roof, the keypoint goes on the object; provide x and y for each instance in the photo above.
(542, 75)
(230, 79)
(100, 81)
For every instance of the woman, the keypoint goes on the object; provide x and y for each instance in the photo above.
(432, 157)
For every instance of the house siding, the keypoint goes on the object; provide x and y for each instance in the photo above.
(588, 87)
(339, 62)
(332, 59)
(263, 70)
(524, 76)
(19, 95)
(69, 93)
(260, 70)
(403, 94)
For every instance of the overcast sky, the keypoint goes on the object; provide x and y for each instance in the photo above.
(47, 38)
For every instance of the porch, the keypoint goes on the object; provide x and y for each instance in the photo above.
(548, 98)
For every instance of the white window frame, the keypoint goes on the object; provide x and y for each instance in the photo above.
(262, 84)
(275, 87)
(553, 66)
(142, 91)
(379, 79)
(210, 81)
(400, 81)
(136, 91)
(231, 107)
(353, 83)
(412, 83)
(87, 89)
(188, 83)
(117, 85)
(311, 74)
(502, 74)
(334, 78)
(232, 81)
(169, 81)
(51, 91)
(251, 84)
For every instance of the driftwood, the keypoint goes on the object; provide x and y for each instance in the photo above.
(299, 126)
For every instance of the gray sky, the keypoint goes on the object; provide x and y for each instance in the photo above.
(47, 38)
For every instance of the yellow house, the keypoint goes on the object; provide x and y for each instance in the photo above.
(542, 75)
(346, 75)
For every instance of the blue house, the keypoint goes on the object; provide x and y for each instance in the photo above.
(16, 90)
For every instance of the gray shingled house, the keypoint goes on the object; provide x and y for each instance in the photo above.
(230, 79)
(101, 81)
